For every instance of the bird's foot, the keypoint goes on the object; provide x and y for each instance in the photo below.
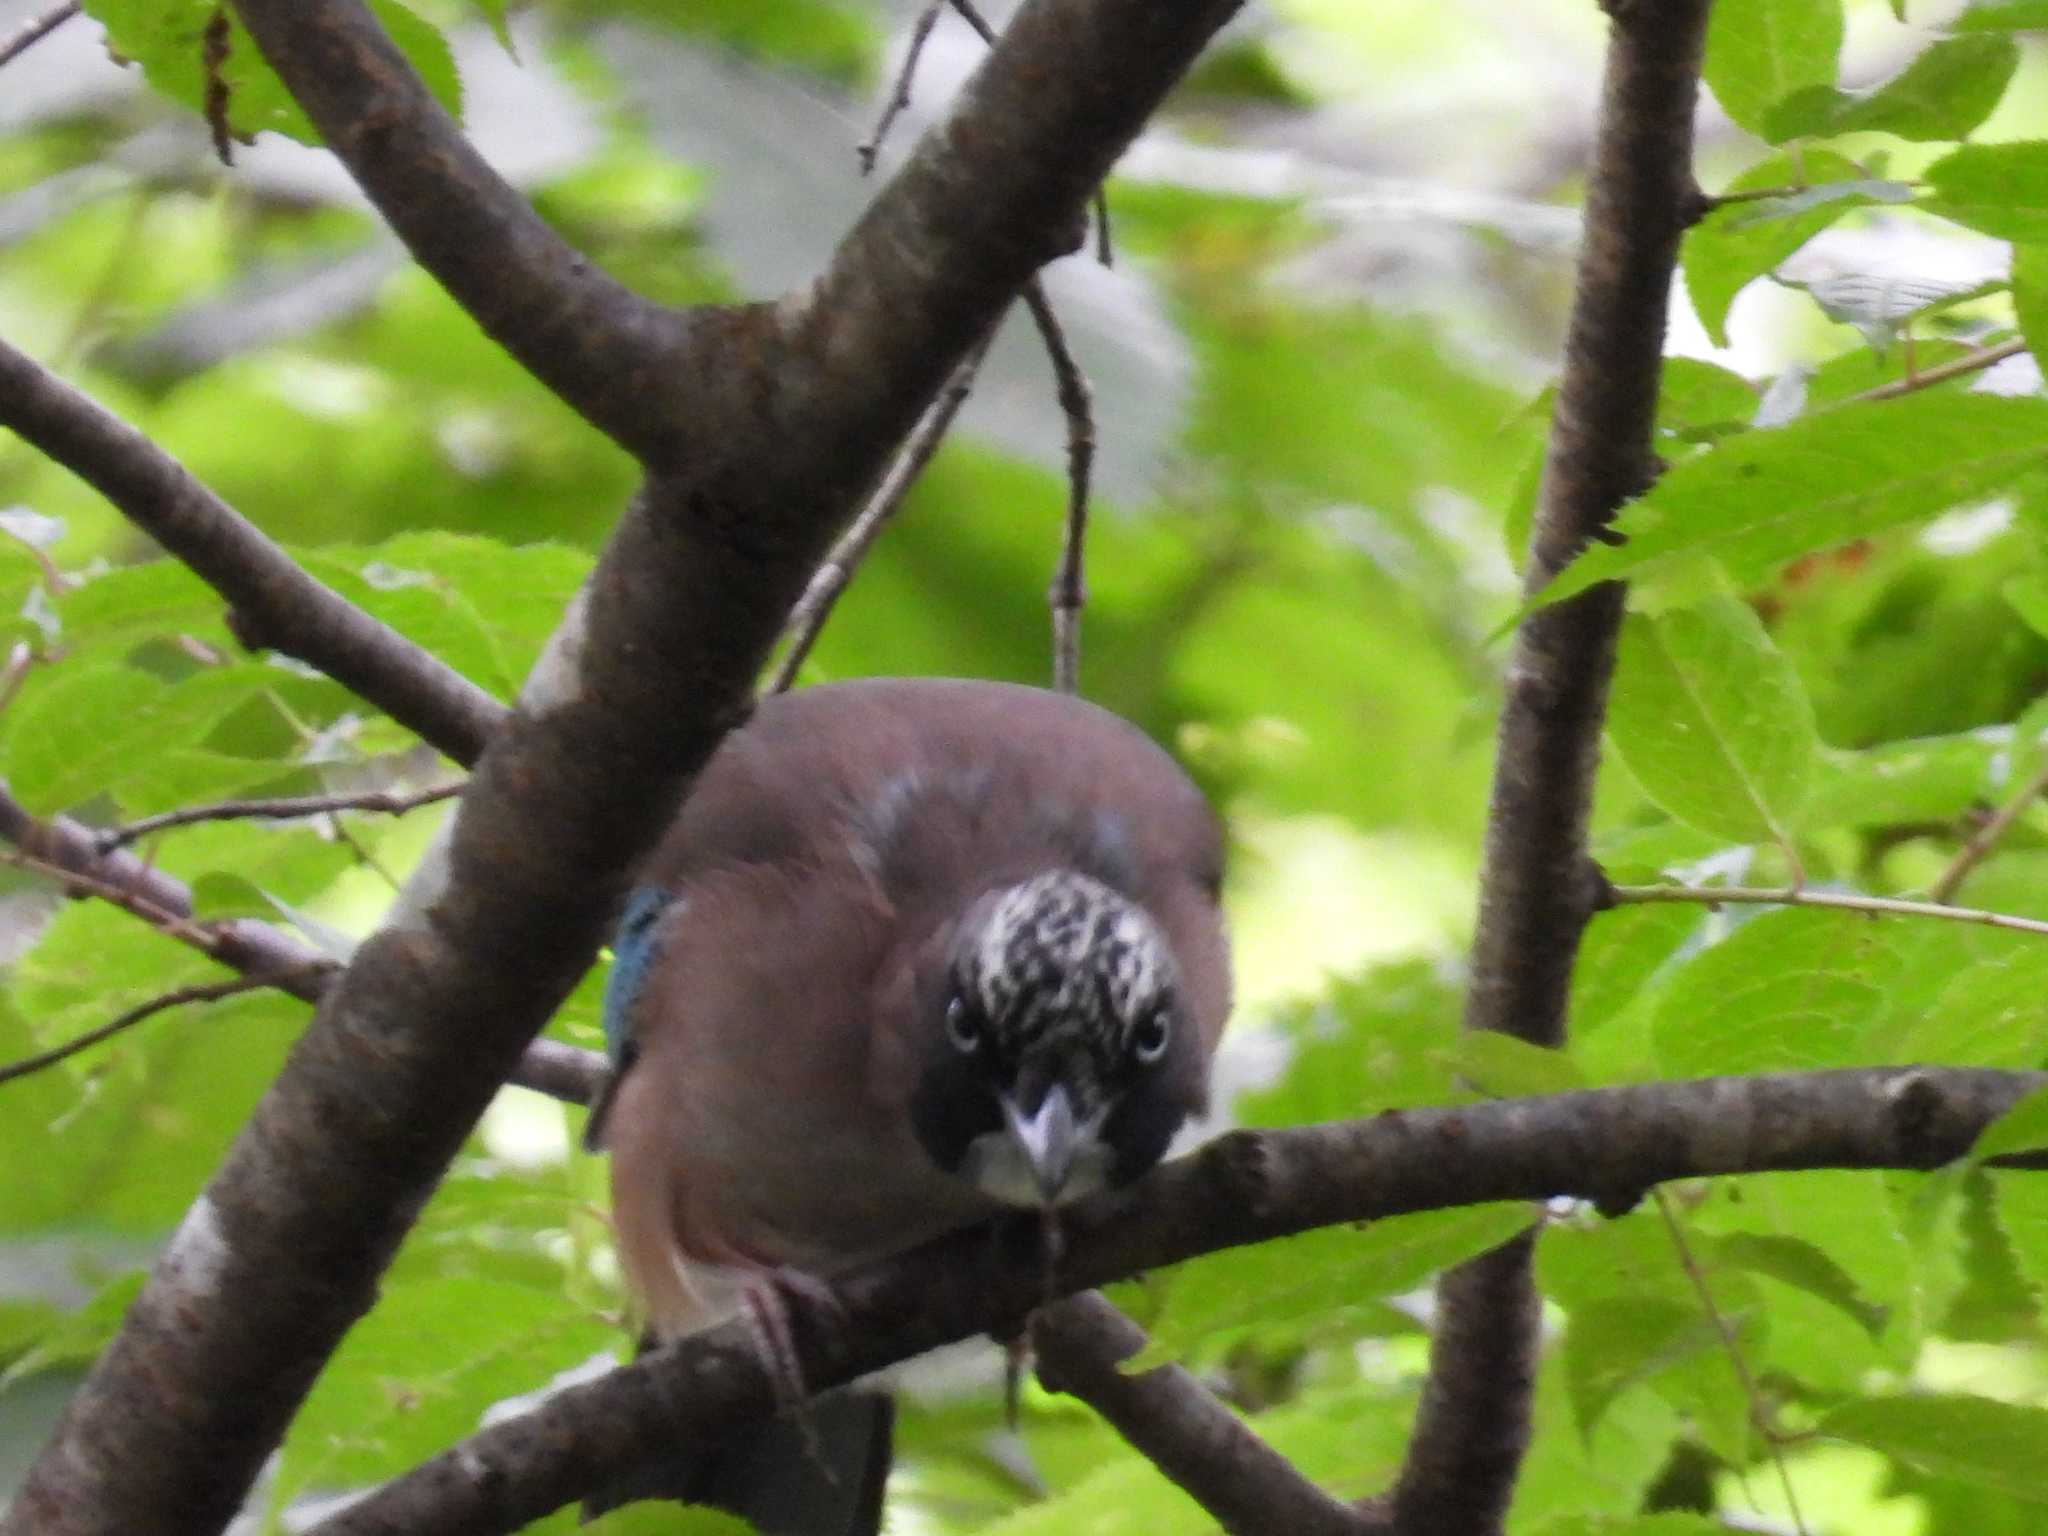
(1016, 1360)
(765, 1298)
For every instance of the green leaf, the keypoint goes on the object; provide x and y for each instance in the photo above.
(2002, 16)
(2028, 595)
(167, 38)
(2022, 1204)
(417, 1374)
(1796, 1262)
(94, 729)
(1990, 1015)
(1382, 1040)
(1620, 1341)
(1757, 500)
(2023, 1128)
(1298, 1282)
(1925, 778)
(1699, 401)
(1502, 1067)
(1972, 1439)
(1761, 51)
(2001, 189)
(1944, 94)
(79, 1336)
(1712, 720)
(1789, 990)
(1665, 1524)
(483, 606)
(1731, 247)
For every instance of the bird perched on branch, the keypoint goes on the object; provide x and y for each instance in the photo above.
(913, 952)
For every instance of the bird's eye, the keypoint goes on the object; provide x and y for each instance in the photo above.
(1148, 1041)
(963, 1025)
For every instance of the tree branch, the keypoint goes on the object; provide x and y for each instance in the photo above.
(275, 808)
(783, 416)
(177, 997)
(1941, 373)
(821, 593)
(272, 602)
(1537, 886)
(1247, 1187)
(601, 347)
(1068, 592)
(254, 948)
(1988, 836)
(1213, 1456)
(1840, 901)
(35, 29)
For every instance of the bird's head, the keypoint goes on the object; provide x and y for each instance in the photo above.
(1060, 1057)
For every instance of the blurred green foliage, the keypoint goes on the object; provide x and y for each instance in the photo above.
(1837, 665)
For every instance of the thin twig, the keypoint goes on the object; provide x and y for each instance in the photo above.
(278, 808)
(207, 992)
(273, 601)
(19, 660)
(807, 619)
(1844, 901)
(35, 29)
(970, 14)
(1068, 593)
(1969, 362)
(177, 925)
(1988, 836)
(1069, 590)
(1711, 201)
(1181, 1427)
(1759, 1418)
(900, 100)
(64, 850)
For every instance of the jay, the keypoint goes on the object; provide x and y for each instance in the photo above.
(914, 952)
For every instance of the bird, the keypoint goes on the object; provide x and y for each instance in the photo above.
(914, 952)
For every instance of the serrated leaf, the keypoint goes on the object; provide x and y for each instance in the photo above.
(1790, 990)
(1793, 1261)
(95, 728)
(1972, 1439)
(2022, 1205)
(1713, 721)
(1298, 1282)
(1619, 1341)
(1761, 51)
(483, 606)
(2001, 189)
(1757, 500)
(2023, 1128)
(167, 38)
(1943, 94)
(1994, 1014)
(1732, 246)
(418, 1373)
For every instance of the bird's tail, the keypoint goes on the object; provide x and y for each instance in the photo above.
(819, 1472)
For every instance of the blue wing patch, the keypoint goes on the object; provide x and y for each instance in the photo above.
(633, 951)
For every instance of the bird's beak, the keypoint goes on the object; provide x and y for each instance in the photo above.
(1049, 1140)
